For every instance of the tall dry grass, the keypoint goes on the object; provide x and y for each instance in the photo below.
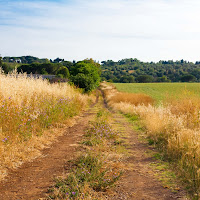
(31, 110)
(175, 129)
(113, 96)
(134, 99)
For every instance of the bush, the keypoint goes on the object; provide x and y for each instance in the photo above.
(86, 74)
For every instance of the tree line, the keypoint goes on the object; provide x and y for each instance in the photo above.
(123, 71)
(132, 70)
(84, 74)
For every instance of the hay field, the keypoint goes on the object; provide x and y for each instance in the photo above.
(159, 91)
(32, 114)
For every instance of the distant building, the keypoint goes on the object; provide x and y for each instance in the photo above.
(18, 61)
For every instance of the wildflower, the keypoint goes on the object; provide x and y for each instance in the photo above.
(73, 193)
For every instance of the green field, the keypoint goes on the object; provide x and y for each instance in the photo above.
(160, 91)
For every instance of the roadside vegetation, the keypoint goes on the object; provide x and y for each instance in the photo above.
(173, 126)
(32, 113)
(96, 169)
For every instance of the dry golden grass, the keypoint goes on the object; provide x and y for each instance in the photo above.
(188, 106)
(175, 129)
(135, 99)
(33, 113)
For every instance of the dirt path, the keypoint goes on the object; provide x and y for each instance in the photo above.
(32, 180)
(140, 182)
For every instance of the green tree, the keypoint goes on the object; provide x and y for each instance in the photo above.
(188, 78)
(86, 74)
(144, 79)
(64, 71)
(163, 79)
(83, 81)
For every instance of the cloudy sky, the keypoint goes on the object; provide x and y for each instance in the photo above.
(150, 30)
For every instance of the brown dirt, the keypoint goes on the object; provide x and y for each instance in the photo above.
(32, 180)
(139, 182)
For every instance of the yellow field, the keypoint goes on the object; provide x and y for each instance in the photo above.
(28, 108)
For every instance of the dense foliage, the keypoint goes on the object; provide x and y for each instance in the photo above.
(25, 59)
(45, 68)
(124, 71)
(133, 70)
(84, 74)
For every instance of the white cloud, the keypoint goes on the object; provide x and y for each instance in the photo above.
(102, 29)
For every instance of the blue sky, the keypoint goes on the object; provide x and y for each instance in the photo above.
(150, 30)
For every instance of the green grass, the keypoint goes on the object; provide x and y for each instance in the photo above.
(159, 91)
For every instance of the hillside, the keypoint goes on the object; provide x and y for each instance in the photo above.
(133, 70)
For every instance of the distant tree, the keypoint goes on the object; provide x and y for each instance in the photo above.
(58, 60)
(40, 68)
(25, 60)
(43, 71)
(127, 79)
(163, 79)
(67, 64)
(188, 78)
(64, 71)
(196, 73)
(144, 79)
